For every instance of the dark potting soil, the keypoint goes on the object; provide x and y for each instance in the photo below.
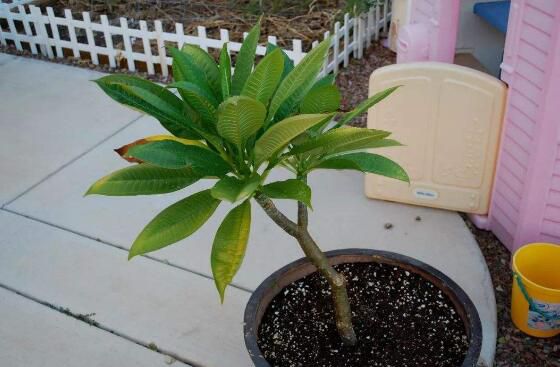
(400, 319)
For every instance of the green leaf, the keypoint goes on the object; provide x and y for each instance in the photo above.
(245, 60)
(262, 83)
(327, 80)
(196, 91)
(279, 135)
(324, 81)
(149, 98)
(202, 102)
(334, 140)
(143, 179)
(322, 99)
(225, 72)
(365, 105)
(175, 223)
(293, 189)
(186, 69)
(299, 80)
(206, 64)
(366, 162)
(372, 143)
(288, 63)
(239, 118)
(229, 246)
(172, 154)
(233, 189)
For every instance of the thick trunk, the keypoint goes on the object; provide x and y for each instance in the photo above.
(336, 281)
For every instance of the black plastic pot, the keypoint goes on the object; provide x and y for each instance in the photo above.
(274, 284)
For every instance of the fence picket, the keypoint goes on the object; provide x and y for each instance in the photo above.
(108, 40)
(13, 30)
(272, 40)
(377, 20)
(161, 48)
(127, 45)
(41, 30)
(90, 38)
(346, 39)
(336, 46)
(27, 29)
(180, 32)
(326, 65)
(361, 34)
(297, 53)
(147, 47)
(72, 33)
(3, 10)
(370, 25)
(224, 36)
(354, 43)
(55, 33)
(385, 13)
(201, 31)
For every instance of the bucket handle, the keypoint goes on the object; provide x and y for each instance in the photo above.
(532, 306)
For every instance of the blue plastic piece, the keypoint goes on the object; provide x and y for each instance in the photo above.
(496, 13)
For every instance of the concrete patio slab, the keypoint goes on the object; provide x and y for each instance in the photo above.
(6, 58)
(343, 217)
(48, 117)
(34, 335)
(144, 300)
(49, 165)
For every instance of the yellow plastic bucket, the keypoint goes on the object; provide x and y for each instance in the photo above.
(535, 303)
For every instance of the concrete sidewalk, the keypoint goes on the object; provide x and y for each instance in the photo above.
(63, 252)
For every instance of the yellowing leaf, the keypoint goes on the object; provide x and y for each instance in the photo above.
(122, 151)
(229, 246)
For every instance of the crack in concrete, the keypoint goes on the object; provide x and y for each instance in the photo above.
(69, 162)
(87, 319)
(122, 248)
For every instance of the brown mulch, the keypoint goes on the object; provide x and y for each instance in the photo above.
(354, 80)
(514, 349)
(306, 20)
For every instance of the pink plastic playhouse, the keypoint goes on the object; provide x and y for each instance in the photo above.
(525, 200)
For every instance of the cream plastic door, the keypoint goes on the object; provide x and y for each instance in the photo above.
(449, 118)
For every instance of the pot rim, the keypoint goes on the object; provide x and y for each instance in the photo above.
(471, 318)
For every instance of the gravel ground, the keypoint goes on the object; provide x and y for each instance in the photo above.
(514, 348)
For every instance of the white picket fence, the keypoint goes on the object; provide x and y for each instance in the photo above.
(30, 27)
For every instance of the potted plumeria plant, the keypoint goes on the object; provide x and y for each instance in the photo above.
(234, 129)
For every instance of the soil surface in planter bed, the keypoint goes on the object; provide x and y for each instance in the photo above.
(400, 319)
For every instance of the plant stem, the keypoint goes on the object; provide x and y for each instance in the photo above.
(337, 282)
(276, 215)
